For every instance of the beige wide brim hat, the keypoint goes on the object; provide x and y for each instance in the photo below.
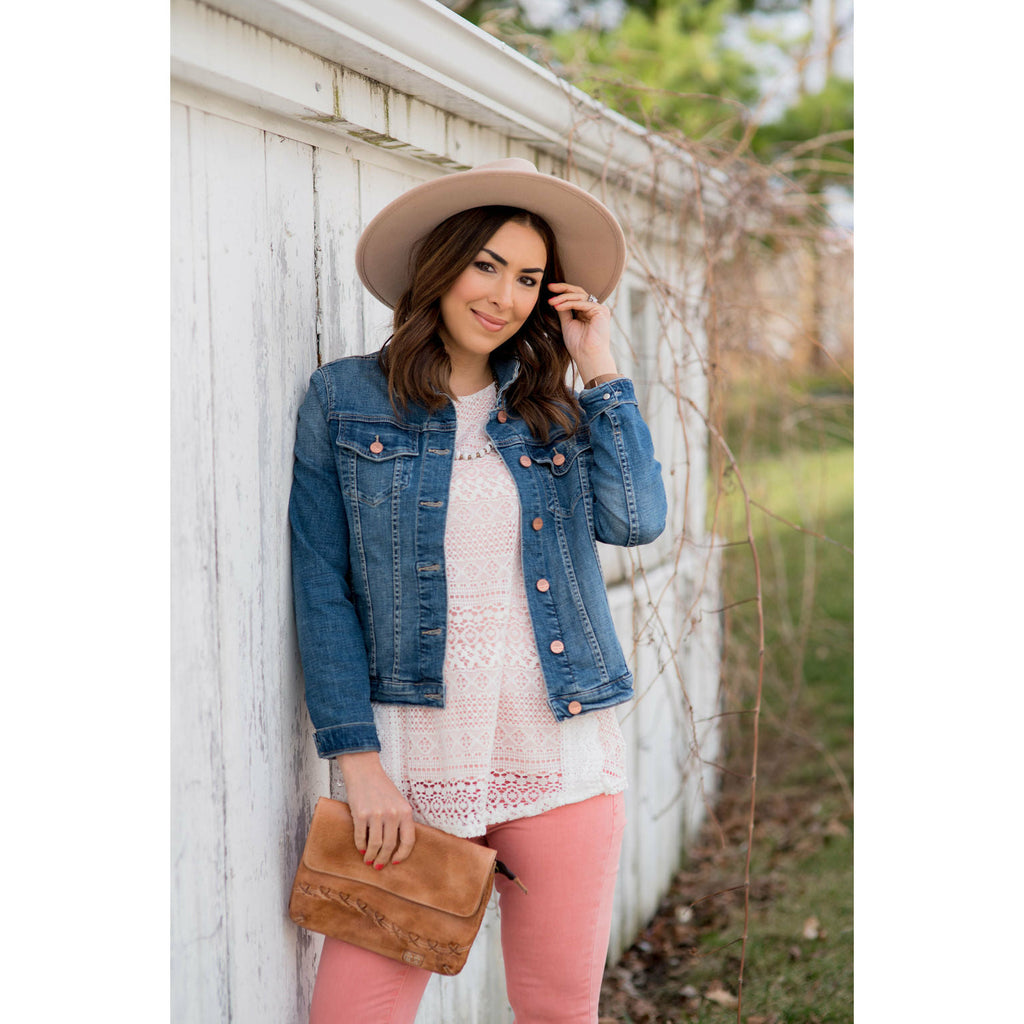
(591, 245)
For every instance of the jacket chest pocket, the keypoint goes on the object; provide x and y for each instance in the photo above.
(376, 459)
(564, 468)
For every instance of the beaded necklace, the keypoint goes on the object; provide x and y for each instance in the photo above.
(489, 447)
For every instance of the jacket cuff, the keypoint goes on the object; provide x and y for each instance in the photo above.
(346, 739)
(607, 395)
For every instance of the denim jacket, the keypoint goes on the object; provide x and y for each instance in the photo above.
(367, 511)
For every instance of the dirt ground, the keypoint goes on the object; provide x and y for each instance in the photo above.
(664, 977)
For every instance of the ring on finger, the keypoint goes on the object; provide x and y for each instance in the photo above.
(591, 298)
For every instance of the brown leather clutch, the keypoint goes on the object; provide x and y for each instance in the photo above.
(425, 911)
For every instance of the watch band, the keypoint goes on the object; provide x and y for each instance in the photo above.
(601, 378)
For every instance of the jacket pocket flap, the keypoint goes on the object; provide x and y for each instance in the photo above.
(378, 441)
(560, 457)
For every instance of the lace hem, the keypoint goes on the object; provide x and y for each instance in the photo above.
(461, 809)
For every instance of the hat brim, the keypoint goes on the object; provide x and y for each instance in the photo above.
(591, 245)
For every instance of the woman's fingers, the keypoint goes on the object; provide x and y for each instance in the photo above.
(359, 835)
(407, 838)
(572, 298)
(579, 314)
(389, 834)
(586, 328)
(381, 816)
(374, 835)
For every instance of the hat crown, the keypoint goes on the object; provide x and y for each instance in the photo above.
(511, 163)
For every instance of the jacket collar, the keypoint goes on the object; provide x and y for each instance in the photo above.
(506, 369)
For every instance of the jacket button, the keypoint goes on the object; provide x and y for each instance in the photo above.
(556, 646)
(524, 460)
(558, 459)
(376, 447)
(575, 707)
(538, 523)
(543, 586)
(502, 416)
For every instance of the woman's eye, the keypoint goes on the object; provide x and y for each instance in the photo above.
(530, 282)
(483, 265)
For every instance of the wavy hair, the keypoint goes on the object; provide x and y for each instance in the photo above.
(414, 359)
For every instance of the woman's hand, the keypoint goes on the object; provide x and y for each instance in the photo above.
(383, 829)
(586, 330)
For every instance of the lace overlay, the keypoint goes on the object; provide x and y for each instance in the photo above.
(495, 752)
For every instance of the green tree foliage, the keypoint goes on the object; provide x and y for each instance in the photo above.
(813, 140)
(671, 69)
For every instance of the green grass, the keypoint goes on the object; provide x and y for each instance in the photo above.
(792, 441)
(800, 484)
(768, 414)
(788, 977)
(797, 462)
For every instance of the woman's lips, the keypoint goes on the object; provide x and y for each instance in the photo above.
(489, 323)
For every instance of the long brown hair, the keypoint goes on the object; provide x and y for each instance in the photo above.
(415, 361)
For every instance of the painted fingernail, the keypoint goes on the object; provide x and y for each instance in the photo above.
(396, 862)
(378, 867)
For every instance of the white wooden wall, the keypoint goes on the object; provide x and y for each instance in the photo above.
(266, 210)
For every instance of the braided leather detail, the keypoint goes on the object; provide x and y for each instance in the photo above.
(440, 950)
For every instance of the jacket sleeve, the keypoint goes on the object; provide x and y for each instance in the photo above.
(330, 637)
(630, 507)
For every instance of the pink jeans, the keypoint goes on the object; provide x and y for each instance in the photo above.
(554, 940)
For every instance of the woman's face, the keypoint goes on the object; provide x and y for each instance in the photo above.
(494, 296)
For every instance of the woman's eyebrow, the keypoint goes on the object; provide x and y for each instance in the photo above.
(504, 263)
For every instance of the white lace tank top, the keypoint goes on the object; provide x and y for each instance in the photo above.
(495, 751)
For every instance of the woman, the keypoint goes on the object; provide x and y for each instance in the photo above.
(459, 653)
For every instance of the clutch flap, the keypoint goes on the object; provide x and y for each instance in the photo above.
(443, 872)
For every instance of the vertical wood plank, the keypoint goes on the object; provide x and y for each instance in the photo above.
(291, 348)
(237, 219)
(338, 224)
(702, 677)
(262, 321)
(237, 227)
(377, 187)
(199, 860)
(625, 914)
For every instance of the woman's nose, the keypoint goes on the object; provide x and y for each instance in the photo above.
(501, 293)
